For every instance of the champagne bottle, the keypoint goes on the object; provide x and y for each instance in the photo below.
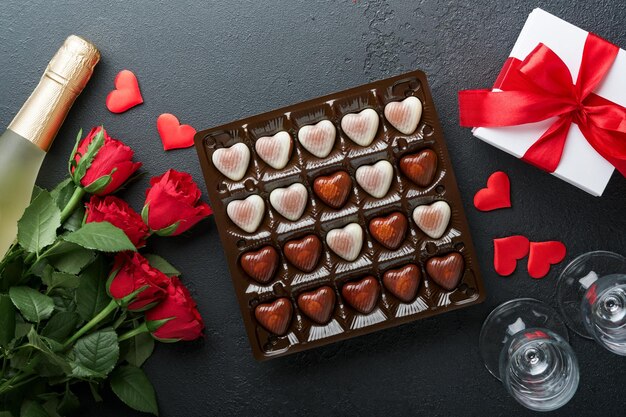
(24, 144)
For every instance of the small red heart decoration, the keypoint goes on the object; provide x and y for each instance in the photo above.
(544, 254)
(126, 93)
(497, 194)
(173, 134)
(506, 252)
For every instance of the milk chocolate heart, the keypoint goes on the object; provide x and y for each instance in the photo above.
(446, 270)
(403, 282)
(276, 316)
(275, 150)
(319, 138)
(375, 179)
(420, 167)
(361, 127)
(362, 295)
(433, 219)
(404, 115)
(346, 242)
(333, 189)
(318, 304)
(261, 264)
(247, 213)
(233, 161)
(303, 253)
(389, 230)
(290, 201)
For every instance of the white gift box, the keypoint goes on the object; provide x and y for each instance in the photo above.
(580, 164)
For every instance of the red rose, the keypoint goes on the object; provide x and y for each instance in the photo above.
(101, 164)
(131, 272)
(173, 204)
(117, 212)
(176, 317)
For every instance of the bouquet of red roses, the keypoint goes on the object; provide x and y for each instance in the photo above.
(79, 303)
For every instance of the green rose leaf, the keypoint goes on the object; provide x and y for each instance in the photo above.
(60, 280)
(85, 160)
(69, 257)
(51, 363)
(7, 320)
(33, 305)
(133, 387)
(61, 326)
(75, 221)
(95, 355)
(162, 265)
(38, 226)
(139, 348)
(62, 193)
(32, 409)
(91, 295)
(102, 236)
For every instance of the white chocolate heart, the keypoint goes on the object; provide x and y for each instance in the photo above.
(346, 242)
(247, 213)
(361, 127)
(274, 150)
(433, 219)
(319, 138)
(233, 161)
(375, 179)
(290, 201)
(404, 115)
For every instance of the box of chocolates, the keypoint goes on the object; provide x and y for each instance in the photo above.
(340, 216)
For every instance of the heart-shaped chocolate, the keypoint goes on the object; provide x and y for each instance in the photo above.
(247, 213)
(362, 295)
(275, 316)
(319, 138)
(389, 230)
(303, 253)
(420, 167)
(346, 242)
(261, 264)
(275, 150)
(403, 282)
(333, 189)
(375, 179)
(433, 219)
(290, 201)
(361, 127)
(404, 115)
(446, 270)
(233, 161)
(318, 304)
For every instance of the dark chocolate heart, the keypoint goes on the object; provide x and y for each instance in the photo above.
(390, 230)
(318, 304)
(304, 253)
(446, 270)
(333, 189)
(261, 264)
(403, 282)
(275, 316)
(362, 295)
(420, 167)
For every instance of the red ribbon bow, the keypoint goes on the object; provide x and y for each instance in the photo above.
(540, 87)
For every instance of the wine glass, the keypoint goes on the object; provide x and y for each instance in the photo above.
(591, 294)
(524, 344)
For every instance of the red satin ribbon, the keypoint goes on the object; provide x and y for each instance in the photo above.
(540, 87)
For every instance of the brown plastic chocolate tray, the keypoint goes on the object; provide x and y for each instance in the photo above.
(287, 309)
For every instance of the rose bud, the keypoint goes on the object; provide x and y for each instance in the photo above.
(101, 164)
(176, 317)
(173, 204)
(117, 212)
(133, 277)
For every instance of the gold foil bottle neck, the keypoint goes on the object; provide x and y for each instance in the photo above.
(65, 77)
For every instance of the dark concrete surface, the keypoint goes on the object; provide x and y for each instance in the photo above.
(214, 62)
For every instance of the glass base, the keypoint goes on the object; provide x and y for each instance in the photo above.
(577, 277)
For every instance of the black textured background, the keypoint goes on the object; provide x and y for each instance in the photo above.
(214, 62)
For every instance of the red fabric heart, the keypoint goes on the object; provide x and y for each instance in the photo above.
(544, 254)
(126, 93)
(506, 252)
(497, 194)
(173, 134)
